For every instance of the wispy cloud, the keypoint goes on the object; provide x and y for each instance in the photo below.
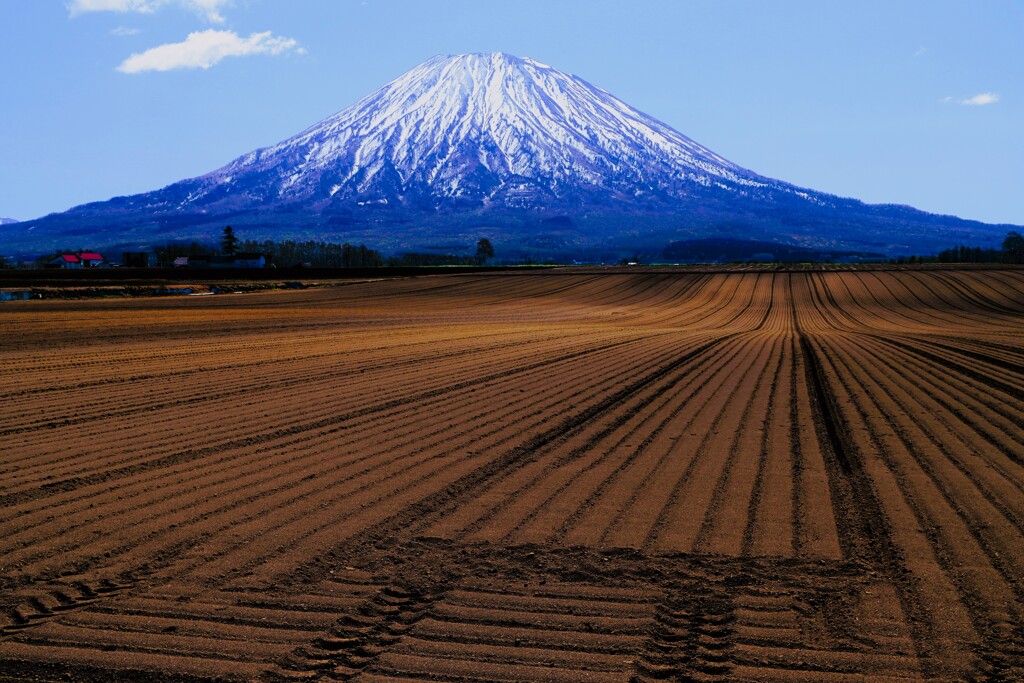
(979, 100)
(207, 9)
(920, 51)
(125, 31)
(203, 49)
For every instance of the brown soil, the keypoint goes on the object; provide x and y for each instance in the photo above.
(561, 476)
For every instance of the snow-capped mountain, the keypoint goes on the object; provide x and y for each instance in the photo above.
(484, 128)
(7, 221)
(540, 161)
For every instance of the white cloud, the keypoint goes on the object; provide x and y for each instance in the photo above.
(920, 51)
(979, 100)
(125, 31)
(203, 49)
(77, 7)
(207, 9)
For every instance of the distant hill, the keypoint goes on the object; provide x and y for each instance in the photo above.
(7, 221)
(540, 161)
(727, 250)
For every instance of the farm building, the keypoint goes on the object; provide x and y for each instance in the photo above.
(249, 260)
(90, 259)
(65, 261)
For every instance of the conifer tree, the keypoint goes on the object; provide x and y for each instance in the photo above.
(228, 242)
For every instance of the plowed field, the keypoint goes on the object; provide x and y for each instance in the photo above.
(563, 476)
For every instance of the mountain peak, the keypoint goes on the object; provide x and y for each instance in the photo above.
(488, 59)
(489, 128)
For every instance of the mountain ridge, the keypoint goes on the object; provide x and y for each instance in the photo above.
(489, 143)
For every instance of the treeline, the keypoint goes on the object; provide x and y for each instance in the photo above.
(416, 260)
(330, 255)
(964, 254)
(289, 253)
(315, 254)
(1011, 251)
(484, 252)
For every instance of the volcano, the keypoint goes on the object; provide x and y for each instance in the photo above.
(540, 161)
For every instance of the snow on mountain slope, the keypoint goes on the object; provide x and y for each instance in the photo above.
(480, 127)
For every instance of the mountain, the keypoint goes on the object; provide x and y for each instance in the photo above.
(540, 161)
(7, 221)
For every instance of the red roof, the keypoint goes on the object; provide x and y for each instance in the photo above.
(70, 258)
(91, 256)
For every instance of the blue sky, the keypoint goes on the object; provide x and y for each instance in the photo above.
(908, 101)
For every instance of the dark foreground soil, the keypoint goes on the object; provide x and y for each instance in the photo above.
(593, 476)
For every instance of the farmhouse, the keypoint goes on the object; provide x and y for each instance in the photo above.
(65, 261)
(83, 259)
(90, 259)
